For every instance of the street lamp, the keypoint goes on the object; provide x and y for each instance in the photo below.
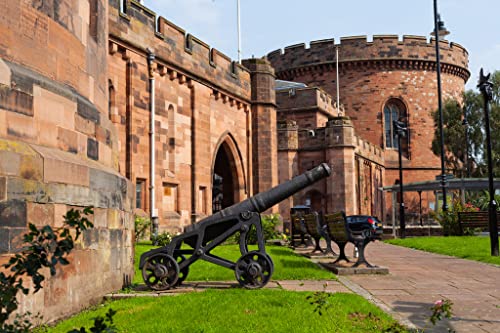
(400, 128)
(439, 32)
(486, 88)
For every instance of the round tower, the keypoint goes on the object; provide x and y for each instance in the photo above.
(383, 80)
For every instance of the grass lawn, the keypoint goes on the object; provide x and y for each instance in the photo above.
(287, 265)
(467, 247)
(239, 310)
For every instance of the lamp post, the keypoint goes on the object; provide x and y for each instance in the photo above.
(440, 31)
(401, 129)
(486, 88)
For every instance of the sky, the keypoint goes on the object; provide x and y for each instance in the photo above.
(267, 25)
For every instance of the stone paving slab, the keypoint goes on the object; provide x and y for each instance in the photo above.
(417, 279)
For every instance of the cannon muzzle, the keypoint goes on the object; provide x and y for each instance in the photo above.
(265, 200)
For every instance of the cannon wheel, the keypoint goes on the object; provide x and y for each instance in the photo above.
(254, 269)
(183, 273)
(160, 272)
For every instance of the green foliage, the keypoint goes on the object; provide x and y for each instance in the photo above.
(454, 130)
(142, 226)
(101, 324)
(440, 309)
(269, 229)
(269, 224)
(449, 219)
(162, 239)
(320, 300)
(483, 200)
(44, 248)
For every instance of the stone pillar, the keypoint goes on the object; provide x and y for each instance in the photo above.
(264, 139)
(341, 185)
(288, 166)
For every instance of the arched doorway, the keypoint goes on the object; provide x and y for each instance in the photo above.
(225, 189)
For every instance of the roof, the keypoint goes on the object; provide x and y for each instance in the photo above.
(285, 85)
(452, 184)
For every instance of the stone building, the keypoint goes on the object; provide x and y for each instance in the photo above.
(381, 80)
(104, 104)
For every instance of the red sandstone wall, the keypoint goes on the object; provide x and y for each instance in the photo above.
(58, 148)
(202, 102)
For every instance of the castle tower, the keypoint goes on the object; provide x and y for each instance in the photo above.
(380, 80)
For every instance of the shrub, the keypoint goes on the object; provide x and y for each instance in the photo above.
(142, 225)
(162, 239)
(269, 225)
(449, 219)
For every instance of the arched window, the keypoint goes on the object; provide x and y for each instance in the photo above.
(394, 109)
(112, 97)
(93, 19)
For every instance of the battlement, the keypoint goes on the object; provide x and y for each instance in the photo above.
(140, 28)
(360, 49)
(368, 150)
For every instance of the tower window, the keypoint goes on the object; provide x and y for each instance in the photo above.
(394, 110)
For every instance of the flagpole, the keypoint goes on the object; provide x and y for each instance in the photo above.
(337, 69)
(239, 30)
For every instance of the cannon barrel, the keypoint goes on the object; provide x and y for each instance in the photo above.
(265, 200)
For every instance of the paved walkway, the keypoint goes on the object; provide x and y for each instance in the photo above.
(417, 279)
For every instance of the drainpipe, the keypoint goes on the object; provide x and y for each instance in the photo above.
(194, 189)
(152, 160)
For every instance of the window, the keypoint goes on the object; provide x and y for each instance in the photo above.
(140, 193)
(202, 200)
(93, 28)
(170, 197)
(112, 97)
(394, 110)
(123, 6)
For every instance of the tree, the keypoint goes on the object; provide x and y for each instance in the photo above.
(454, 131)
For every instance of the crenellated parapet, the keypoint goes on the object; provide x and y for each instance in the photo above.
(368, 150)
(384, 51)
(137, 28)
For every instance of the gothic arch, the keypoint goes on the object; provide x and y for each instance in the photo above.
(228, 168)
(395, 108)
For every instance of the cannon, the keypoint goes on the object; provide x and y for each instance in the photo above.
(168, 266)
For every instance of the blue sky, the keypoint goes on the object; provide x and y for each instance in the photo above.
(271, 24)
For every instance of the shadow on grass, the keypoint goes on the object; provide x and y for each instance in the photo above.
(281, 252)
(297, 264)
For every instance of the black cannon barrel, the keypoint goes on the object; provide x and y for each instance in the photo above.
(265, 200)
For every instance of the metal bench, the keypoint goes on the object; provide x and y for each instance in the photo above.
(298, 228)
(316, 229)
(474, 220)
(340, 233)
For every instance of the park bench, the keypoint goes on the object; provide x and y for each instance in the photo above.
(298, 228)
(474, 220)
(340, 233)
(315, 228)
